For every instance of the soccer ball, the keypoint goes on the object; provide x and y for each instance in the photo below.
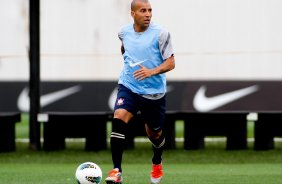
(88, 173)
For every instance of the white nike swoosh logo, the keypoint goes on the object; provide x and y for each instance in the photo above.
(47, 99)
(202, 103)
(133, 64)
(113, 96)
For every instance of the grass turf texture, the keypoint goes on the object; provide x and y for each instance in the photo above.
(213, 165)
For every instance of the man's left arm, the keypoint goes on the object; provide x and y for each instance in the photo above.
(167, 65)
(144, 72)
(166, 51)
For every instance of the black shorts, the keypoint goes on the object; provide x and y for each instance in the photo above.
(152, 111)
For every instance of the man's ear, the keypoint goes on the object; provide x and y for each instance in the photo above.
(132, 13)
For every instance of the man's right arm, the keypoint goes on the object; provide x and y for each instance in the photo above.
(122, 49)
(120, 36)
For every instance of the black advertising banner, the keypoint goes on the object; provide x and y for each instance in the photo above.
(197, 96)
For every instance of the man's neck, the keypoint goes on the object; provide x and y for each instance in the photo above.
(139, 29)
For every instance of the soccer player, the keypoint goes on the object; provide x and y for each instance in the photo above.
(148, 54)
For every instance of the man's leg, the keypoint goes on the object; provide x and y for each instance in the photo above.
(158, 140)
(117, 146)
(158, 147)
(153, 112)
(118, 141)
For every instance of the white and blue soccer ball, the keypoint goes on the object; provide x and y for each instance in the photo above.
(88, 173)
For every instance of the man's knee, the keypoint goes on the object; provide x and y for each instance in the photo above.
(155, 135)
(123, 115)
(152, 134)
(156, 138)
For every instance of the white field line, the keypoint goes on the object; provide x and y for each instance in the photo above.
(139, 139)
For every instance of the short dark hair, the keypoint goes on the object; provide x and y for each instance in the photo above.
(133, 3)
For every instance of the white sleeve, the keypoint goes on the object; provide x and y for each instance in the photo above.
(165, 44)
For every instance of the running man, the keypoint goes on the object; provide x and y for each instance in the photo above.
(148, 54)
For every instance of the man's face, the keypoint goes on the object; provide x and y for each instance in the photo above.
(142, 14)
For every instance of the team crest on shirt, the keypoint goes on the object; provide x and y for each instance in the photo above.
(120, 101)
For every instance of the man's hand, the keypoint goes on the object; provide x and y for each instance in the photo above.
(143, 73)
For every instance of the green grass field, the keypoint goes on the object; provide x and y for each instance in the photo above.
(213, 165)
